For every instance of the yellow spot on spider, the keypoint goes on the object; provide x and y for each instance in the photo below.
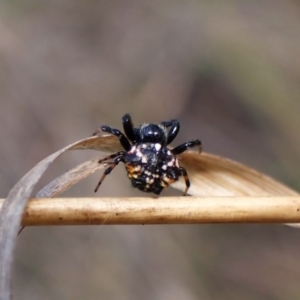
(133, 171)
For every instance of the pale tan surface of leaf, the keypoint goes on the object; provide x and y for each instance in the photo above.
(13, 207)
(210, 176)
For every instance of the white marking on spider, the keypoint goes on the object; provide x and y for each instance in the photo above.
(144, 159)
(133, 149)
(170, 163)
(157, 146)
(138, 153)
(164, 167)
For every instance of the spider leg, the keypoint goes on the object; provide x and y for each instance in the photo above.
(111, 156)
(123, 140)
(108, 170)
(175, 126)
(186, 179)
(128, 128)
(183, 147)
(169, 123)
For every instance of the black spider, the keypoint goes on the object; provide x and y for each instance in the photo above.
(150, 165)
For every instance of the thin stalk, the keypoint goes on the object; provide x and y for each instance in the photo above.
(162, 210)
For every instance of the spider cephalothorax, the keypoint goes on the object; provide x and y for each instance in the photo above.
(150, 165)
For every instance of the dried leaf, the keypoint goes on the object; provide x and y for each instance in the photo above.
(13, 207)
(210, 175)
(213, 175)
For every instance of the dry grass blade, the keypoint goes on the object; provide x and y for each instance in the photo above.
(210, 176)
(13, 207)
(213, 175)
(68, 179)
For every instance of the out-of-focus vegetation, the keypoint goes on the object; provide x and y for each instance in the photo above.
(229, 70)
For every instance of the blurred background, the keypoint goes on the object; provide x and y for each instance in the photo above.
(228, 70)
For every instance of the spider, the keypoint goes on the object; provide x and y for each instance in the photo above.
(150, 164)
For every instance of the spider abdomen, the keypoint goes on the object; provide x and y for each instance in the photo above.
(151, 167)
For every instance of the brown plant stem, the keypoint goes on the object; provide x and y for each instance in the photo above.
(162, 210)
